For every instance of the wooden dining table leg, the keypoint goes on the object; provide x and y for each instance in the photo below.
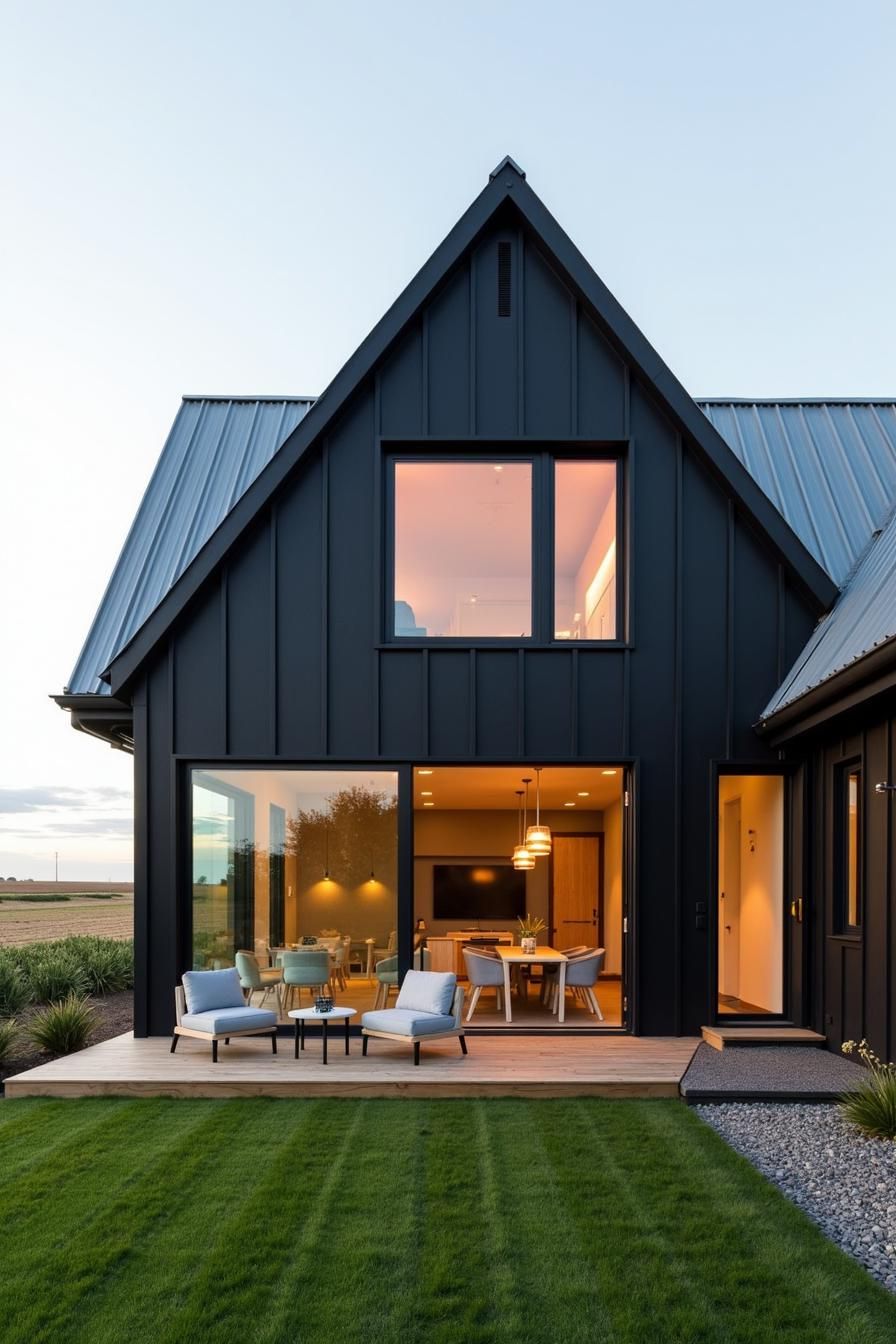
(507, 1012)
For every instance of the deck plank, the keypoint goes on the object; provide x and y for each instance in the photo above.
(524, 1066)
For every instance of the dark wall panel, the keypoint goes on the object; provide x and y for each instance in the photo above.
(300, 614)
(400, 383)
(755, 610)
(600, 384)
(548, 692)
(498, 725)
(200, 669)
(450, 704)
(600, 704)
(402, 728)
(163, 951)
(496, 342)
(548, 317)
(352, 699)
(251, 660)
(447, 324)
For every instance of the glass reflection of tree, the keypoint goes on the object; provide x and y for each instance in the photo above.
(354, 837)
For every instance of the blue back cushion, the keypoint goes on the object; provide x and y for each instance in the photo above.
(205, 990)
(427, 992)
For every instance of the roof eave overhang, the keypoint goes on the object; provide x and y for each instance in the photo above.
(506, 185)
(871, 675)
(101, 716)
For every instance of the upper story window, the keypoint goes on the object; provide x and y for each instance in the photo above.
(504, 548)
(585, 550)
(463, 550)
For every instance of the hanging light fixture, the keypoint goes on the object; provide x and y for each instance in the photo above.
(327, 877)
(538, 837)
(521, 858)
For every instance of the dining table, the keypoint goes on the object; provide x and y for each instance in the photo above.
(542, 956)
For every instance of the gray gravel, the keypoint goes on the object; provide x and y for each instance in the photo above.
(769, 1071)
(845, 1182)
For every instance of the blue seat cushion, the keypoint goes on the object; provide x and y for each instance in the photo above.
(427, 992)
(407, 1022)
(205, 990)
(218, 1021)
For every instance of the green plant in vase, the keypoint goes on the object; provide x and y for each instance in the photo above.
(530, 927)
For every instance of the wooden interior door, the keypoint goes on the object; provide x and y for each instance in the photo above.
(577, 890)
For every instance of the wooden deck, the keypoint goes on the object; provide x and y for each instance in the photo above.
(497, 1066)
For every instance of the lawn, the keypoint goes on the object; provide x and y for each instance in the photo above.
(352, 1222)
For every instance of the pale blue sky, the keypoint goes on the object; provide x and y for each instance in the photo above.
(222, 197)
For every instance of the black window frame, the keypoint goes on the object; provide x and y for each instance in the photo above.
(542, 456)
(843, 773)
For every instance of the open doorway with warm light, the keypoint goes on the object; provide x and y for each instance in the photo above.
(478, 880)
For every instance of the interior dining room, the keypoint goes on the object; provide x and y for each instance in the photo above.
(517, 887)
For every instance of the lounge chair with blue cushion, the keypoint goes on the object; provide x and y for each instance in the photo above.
(210, 1006)
(430, 1004)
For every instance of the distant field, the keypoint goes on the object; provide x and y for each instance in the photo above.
(66, 888)
(31, 922)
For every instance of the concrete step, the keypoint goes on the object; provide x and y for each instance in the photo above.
(719, 1037)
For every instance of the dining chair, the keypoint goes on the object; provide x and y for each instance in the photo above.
(550, 973)
(303, 970)
(582, 973)
(484, 972)
(256, 979)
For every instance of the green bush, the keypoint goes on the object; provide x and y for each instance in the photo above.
(63, 1027)
(109, 967)
(871, 1107)
(9, 1035)
(55, 976)
(15, 991)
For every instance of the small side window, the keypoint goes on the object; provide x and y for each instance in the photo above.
(849, 868)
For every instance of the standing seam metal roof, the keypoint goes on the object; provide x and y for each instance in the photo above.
(216, 448)
(828, 466)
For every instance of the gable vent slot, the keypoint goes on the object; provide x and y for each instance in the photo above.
(504, 280)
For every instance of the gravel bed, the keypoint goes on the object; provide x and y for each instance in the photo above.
(748, 1071)
(845, 1182)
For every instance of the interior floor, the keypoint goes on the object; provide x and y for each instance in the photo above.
(527, 1010)
(729, 1003)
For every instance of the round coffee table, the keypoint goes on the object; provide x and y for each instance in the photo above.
(303, 1015)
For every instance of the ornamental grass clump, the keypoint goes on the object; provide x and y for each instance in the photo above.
(63, 1027)
(15, 991)
(56, 976)
(9, 1035)
(872, 1107)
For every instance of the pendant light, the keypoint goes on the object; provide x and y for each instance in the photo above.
(327, 877)
(522, 859)
(538, 837)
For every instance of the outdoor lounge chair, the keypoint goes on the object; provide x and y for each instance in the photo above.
(210, 1006)
(430, 1004)
(386, 973)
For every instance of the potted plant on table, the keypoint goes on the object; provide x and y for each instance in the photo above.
(530, 927)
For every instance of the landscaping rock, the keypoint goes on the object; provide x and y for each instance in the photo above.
(844, 1181)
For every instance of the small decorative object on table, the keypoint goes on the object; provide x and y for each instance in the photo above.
(530, 927)
(309, 940)
(323, 1004)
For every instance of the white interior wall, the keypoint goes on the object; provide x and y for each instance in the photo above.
(612, 818)
(761, 885)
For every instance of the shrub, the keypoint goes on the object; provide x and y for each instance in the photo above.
(55, 976)
(15, 991)
(63, 1027)
(109, 967)
(9, 1035)
(872, 1107)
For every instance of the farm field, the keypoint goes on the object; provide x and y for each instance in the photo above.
(33, 922)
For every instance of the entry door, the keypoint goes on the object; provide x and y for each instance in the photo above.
(577, 870)
(729, 902)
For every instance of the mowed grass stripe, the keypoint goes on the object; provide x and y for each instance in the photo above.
(373, 1222)
(93, 1239)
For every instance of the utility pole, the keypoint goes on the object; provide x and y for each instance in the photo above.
(56, 852)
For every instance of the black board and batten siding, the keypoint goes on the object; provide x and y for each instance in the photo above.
(282, 656)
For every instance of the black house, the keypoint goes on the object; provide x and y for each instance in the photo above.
(505, 545)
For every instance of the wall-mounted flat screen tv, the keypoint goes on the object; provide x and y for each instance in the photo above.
(465, 891)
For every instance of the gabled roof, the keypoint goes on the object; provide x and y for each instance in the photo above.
(143, 602)
(216, 448)
(828, 465)
(862, 621)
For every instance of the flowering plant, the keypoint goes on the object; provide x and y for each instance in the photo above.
(872, 1105)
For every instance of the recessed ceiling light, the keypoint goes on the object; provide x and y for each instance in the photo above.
(583, 793)
(426, 793)
(424, 772)
(608, 772)
(569, 804)
(429, 804)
